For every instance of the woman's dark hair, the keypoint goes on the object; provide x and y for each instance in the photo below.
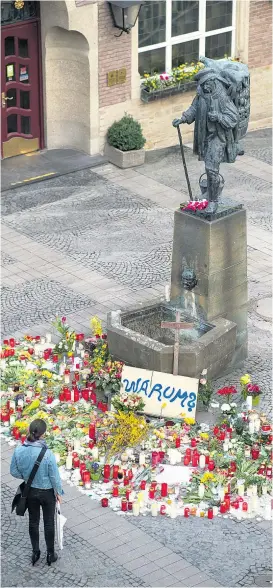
(36, 429)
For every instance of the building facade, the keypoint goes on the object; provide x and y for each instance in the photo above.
(67, 75)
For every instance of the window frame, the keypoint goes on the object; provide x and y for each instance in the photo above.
(200, 35)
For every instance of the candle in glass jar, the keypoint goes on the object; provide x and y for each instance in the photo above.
(201, 490)
(188, 451)
(255, 451)
(115, 472)
(211, 465)
(187, 460)
(221, 494)
(136, 509)
(194, 461)
(210, 513)
(95, 452)
(177, 442)
(115, 491)
(154, 509)
(12, 419)
(164, 490)
(106, 471)
(193, 442)
(142, 458)
(202, 461)
(251, 427)
(222, 508)
(67, 394)
(20, 403)
(104, 502)
(244, 506)
(68, 464)
(241, 489)
(249, 402)
(124, 505)
(92, 431)
(151, 493)
(142, 485)
(186, 512)
(12, 404)
(76, 462)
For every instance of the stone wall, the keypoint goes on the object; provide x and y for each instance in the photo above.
(114, 53)
(260, 33)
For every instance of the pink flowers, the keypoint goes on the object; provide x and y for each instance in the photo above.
(195, 205)
(63, 319)
(253, 389)
(164, 76)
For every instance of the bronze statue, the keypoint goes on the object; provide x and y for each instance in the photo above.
(219, 120)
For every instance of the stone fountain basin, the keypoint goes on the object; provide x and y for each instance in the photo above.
(210, 347)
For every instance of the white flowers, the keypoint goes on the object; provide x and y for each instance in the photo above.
(225, 407)
(233, 404)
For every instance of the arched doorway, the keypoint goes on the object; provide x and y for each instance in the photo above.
(67, 89)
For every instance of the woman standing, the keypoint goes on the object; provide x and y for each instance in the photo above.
(45, 488)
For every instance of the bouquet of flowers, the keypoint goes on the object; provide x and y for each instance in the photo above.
(67, 343)
(124, 402)
(249, 389)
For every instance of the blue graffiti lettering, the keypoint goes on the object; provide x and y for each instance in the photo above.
(131, 386)
(144, 387)
(192, 401)
(156, 388)
(166, 390)
(181, 395)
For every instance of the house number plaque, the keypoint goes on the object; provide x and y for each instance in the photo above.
(117, 76)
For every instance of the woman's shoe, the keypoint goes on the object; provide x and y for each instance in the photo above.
(35, 557)
(51, 557)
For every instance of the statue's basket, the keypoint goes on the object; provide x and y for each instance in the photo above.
(203, 183)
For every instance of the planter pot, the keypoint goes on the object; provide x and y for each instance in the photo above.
(95, 477)
(256, 401)
(150, 96)
(124, 159)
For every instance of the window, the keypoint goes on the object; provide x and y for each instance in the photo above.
(172, 32)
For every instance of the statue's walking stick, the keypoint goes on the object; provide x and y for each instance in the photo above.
(184, 162)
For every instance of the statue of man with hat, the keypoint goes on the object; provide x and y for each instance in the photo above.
(215, 116)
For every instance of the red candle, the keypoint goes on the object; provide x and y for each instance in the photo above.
(124, 505)
(130, 506)
(6, 341)
(12, 352)
(82, 466)
(85, 394)
(235, 504)
(16, 433)
(86, 477)
(67, 394)
(255, 452)
(177, 442)
(186, 512)
(76, 394)
(233, 466)
(77, 376)
(49, 399)
(142, 485)
(216, 430)
(23, 438)
(206, 459)
(126, 481)
(106, 471)
(151, 493)
(222, 436)
(91, 444)
(115, 491)
(104, 502)
(55, 358)
(46, 354)
(12, 342)
(187, 460)
(211, 465)
(245, 506)
(164, 490)
(210, 513)
(130, 474)
(188, 451)
(227, 502)
(193, 442)
(154, 485)
(92, 431)
(222, 508)
(155, 458)
(269, 472)
(127, 494)
(76, 462)
(195, 461)
(161, 455)
(163, 509)
(115, 472)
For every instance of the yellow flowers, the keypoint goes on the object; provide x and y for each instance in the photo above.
(246, 379)
(189, 420)
(207, 477)
(126, 430)
(96, 326)
(35, 404)
(46, 374)
(204, 435)
(21, 424)
(163, 405)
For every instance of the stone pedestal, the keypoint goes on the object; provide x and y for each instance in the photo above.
(217, 252)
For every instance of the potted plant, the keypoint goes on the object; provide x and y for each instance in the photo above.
(125, 142)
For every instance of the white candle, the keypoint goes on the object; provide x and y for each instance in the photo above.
(142, 458)
(87, 485)
(42, 340)
(254, 503)
(66, 379)
(154, 509)
(249, 402)
(225, 446)
(77, 444)
(136, 509)
(241, 489)
(257, 424)
(48, 337)
(72, 395)
(29, 394)
(173, 511)
(40, 384)
(20, 402)
(57, 457)
(82, 353)
(249, 491)
(68, 464)
(221, 494)
(12, 404)
(247, 452)
(264, 490)
(167, 293)
(201, 490)
(12, 419)
(215, 510)
(140, 497)
(202, 461)
(251, 427)
(62, 368)
(172, 456)
(95, 452)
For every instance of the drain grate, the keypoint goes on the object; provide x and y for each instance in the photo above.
(263, 581)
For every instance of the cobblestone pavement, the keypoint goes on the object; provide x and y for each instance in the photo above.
(95, 241)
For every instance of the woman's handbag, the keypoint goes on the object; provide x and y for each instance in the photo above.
(19, 502)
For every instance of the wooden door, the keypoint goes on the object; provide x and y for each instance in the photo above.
(20, 99)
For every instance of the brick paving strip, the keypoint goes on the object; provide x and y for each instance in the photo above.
(100, 548)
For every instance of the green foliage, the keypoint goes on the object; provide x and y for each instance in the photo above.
(126, 134)
(205, 392)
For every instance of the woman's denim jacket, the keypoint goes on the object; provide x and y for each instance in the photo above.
(23, 460)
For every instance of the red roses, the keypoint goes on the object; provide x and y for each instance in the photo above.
(195, 205)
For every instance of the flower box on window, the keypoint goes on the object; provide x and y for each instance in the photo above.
(148, 95)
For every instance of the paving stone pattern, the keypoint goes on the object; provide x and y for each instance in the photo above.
(94, 241)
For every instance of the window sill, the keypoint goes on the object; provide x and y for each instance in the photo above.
(150, 96)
